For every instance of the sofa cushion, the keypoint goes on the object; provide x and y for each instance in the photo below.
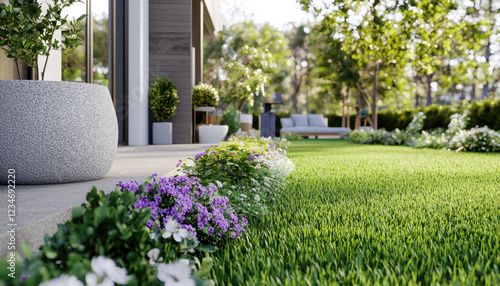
(286, 122)
(316, 129)
(316, 120)
(300, 120)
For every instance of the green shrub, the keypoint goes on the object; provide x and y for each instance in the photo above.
(250, 172)
(485, 113)
(163, 99)
(231, 118)
(205, 94)
(109, 225)
(291, 136)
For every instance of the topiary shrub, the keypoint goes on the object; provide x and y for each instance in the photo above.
(163, 99)
(205, 94)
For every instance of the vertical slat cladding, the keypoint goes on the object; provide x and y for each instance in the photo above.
(170, 55)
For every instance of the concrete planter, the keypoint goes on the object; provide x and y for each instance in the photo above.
(162, 133)
(246, 121)
(212, 133)
(56, 132)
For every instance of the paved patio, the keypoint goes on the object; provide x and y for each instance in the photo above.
(39, 208)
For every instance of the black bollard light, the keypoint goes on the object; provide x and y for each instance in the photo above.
(267, 122)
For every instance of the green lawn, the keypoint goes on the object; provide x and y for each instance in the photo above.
(360, 214)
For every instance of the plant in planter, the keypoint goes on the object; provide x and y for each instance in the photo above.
(74, 137)
(205, 97)
(163, 102)
(205, 94)
(26, 32)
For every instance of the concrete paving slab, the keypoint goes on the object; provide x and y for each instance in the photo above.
(39, 208)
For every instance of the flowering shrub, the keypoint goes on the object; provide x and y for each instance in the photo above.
(458, 122)
(455, 137)
(291, 136)
(477, 139)
(237, 173)
(436, 140)
(417, 124)
(106, 241)
(205, 94)
(260, 144)
(379, 136)
(249, 171)
(183, 207)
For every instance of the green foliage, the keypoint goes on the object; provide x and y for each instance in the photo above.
(109, 225)
(245, 77)
(237, 175)
(374, 215)
(485, 112)
(271, 46)
(104, 225)
(251, 172)
(163, 99)
(231, 118)
(205, 95)
(26, 32)
(291, 136)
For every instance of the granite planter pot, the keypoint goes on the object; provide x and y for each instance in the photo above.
(162, 133)
(56, 132)
(212, 133)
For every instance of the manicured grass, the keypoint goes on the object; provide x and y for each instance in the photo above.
(361, 214)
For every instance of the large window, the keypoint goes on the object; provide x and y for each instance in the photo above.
(100, 13)
(89, 62)
(74, 67)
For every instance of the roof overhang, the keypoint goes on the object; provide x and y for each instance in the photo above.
(212, 18)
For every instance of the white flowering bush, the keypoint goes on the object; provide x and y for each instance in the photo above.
(417, 124)
(455, 137)
(477, 139)
(436, 140)
(251, 172)
(458, 122)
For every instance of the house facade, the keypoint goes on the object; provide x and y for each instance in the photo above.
(127, 45)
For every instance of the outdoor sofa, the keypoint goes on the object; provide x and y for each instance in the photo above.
(310, 125)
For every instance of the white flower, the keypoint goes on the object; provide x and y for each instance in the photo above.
(106, 268)
(93, 280)
(184, 262)
(173, 228)
(63, 280)
(219, 184)
(153, 255)
(175, 274)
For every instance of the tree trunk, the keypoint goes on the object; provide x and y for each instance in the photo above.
(295, 101)
(473, 95)
(343, 111)
(429, 90)
(486, 86)
(417, 99)
(348, 115)
(374, 97)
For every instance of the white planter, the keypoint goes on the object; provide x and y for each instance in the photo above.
(212, 133)
(246, 122)
(162, 133)
(56, 132)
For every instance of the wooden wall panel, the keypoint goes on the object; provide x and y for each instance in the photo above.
(170, 55)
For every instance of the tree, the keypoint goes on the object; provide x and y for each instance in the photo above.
(266, 49)
(302, 61)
